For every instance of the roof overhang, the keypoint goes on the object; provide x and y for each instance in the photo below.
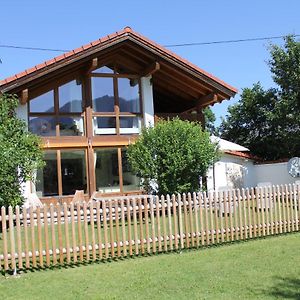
(174, 73)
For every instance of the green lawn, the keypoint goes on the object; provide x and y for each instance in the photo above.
(260, 269)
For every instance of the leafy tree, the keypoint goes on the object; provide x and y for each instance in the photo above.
(210, 119)
(20, 152)
(173, 155)
(268, 121)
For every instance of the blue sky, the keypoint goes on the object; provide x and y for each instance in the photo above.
(68, 24)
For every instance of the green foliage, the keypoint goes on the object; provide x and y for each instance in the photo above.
(20, 153)
(268, 121)
(210, 119)
(173, 154)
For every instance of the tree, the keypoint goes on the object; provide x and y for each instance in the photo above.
(210, 119)
(20, 150)
(268, 121)
(171, 157)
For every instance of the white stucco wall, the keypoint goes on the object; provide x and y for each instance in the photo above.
(231, 172)
(148, 105)
(276, 173)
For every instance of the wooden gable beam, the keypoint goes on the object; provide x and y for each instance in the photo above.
(151, 69)
(24, 97)
(203, 101)
(93, 65)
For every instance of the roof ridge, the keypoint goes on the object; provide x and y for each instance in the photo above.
(125, 31)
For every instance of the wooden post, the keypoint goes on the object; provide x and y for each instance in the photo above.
(19, 239)
(74, 244)
(92, 225)
(152, 225)
(226, 203)
(60, 241)
(211, 219)
(180, 221)
(123, 228)
(99, 229)
(53, 239)
(230, 207)
(163, 214)
(32, 231)
(216, 203)
(135, 230)
(140, 213)
(201, 206)
(4, 237)
(40, 242)
(117, 228)
(158, 224)
(221, 213)
(12, 238)
(196, 206)
(186, 226)
(129, 226)
(257, 210)
(67, 238)
(146, 211)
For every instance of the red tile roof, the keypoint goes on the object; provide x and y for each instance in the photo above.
(126, 32)
(243, 155)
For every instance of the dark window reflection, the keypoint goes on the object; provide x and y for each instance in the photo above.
(43, 126)
(43, 103)
(103, 94)
(73, 171)
(71, 126)
(70, 97)
(128, 95)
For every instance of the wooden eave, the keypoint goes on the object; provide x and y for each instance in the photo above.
(135, 52)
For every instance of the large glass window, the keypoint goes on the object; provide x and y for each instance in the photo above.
(73, 176)
(103, 94)
(107, 171)
(73, 171)
(46, 178)
(63, 117)
(130, 181)
(116, 103)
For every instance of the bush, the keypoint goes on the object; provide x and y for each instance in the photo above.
(20, 153)
(171, 157)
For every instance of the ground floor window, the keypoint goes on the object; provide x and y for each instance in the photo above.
(112, 171)
(64, 173)
(66, 170)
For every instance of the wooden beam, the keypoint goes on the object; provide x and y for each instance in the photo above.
(24, 97)
(93, 65)
(203, 101)
(151, 69)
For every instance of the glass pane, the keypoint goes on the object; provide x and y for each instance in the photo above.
(107, 170)
(73, 171)
(103, 94)
(43, 103)
(71, 126)
(43, 126)
(128, 95)
(130, 125)
(104, 69)
(70, 97)
(46, 178)
(104, 125)
(130, 181)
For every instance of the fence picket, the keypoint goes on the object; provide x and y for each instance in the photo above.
(19, 239)
(138, 225)
(12, 238)
(40, 242)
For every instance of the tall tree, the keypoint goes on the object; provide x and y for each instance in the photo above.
(20, 152)
(268, 121)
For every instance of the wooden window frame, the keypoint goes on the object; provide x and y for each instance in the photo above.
(56, 114)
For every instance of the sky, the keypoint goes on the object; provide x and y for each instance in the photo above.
(65, 24)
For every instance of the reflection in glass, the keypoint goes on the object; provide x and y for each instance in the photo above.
(104, 125)
(103, 94)
(104, 69)
(46, 178)
(73, 171)
(128, 95)
(107, 171)
(43, 126)
(43, 103)
(71, 126)
(130, 125)
(130, 181)
(70, 97)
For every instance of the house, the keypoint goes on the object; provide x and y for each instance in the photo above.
(90, 103)
(237, 168)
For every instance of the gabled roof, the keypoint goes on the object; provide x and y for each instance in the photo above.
(90, 50)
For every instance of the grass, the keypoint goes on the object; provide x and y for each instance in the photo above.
(260, 269)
